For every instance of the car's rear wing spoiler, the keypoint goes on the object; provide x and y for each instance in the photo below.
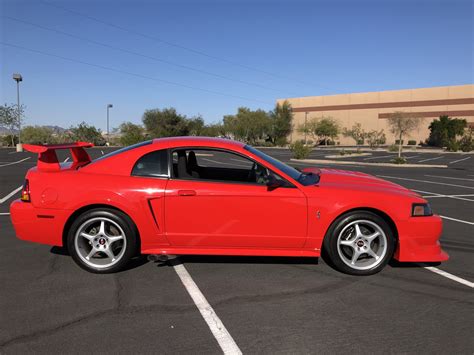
(48, 160)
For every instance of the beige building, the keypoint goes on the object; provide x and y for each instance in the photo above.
(371, 109)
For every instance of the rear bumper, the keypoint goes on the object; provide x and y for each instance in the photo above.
(38, 225)
(419, 240)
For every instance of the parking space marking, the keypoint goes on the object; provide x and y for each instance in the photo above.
(426, 181)
(322, 165)
(457, 161)
(421, 161)
(413, 156)
(4, 213)
(456, 197)
(436, 196)
(223, 337)
(7, 197)
(220, 162)
(457, 220)
(449, 276)
(448, 177)
(15, 162)
(382, 156)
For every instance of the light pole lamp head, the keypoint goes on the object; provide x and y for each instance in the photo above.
(110, 106)
(17, 77)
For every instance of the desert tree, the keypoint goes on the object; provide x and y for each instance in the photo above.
(401, 124)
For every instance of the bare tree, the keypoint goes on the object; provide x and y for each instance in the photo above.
(401, 124)
(10, 118)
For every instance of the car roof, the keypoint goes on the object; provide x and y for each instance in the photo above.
(198, 142)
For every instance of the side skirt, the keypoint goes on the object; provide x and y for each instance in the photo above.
(234, 251)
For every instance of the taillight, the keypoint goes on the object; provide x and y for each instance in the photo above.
(25, 192)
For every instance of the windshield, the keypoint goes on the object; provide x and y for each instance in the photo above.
(303, 178)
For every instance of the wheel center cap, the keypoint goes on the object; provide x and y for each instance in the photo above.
(102, 241)
(360, 243)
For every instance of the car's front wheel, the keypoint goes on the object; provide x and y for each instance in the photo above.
(102, 240)
(359, 243)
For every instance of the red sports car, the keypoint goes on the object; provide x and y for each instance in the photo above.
(191, 195)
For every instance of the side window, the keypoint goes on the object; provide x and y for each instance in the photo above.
(218, 165)
(154, 164)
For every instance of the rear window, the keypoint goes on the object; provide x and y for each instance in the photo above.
(154, 164)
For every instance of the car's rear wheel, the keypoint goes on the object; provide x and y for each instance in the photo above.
(102, 240)
(359, 243)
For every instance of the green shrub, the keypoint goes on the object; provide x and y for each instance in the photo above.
(397, 142)
(466, 144)
(265, 144)
(281, 142)
(452, 146)
(7, 140)
(411, 142)
(399, 160)
(393, 148)
(299, 150)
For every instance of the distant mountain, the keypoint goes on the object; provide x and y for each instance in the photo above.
(55, 129)
(5, 131)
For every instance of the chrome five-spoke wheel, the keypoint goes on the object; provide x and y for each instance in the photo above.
(359, 243)
(362, 244)
(102, 240)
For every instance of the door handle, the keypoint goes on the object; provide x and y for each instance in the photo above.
(186, 193)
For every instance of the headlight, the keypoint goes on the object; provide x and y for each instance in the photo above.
(421, 209)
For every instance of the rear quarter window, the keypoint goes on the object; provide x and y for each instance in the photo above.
(153, 164)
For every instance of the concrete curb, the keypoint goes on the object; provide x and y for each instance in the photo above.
(320, 161)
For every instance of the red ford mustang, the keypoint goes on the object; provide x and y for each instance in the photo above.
(190, 195)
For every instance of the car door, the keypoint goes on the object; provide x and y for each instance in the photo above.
(214, 200)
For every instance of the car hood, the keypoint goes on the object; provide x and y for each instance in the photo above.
(357, 181)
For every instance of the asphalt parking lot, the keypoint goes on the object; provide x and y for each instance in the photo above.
(267, 305)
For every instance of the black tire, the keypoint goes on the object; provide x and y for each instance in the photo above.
(117, 220)
(338, 255)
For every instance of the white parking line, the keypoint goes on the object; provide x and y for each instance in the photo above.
(426, 181)
(413, 156)
(220, 162)
(448, 177)
(325, 164)
(7, 197)
(4, 214)
(382, 156)
(457, 220)
(456, 197)
(457, 161)
(15, 162)
(240, 161)
(223, 337)
(421, 161)
(449, 276)
(436, 196)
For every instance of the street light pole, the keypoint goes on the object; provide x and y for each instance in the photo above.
(305, 127)
(18, 78)
(109, 106)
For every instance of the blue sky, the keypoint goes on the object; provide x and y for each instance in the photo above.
(257, 51)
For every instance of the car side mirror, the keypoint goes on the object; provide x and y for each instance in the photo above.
(273, 183)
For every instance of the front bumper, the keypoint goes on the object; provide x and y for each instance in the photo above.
(38, 225)
(418, 240)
